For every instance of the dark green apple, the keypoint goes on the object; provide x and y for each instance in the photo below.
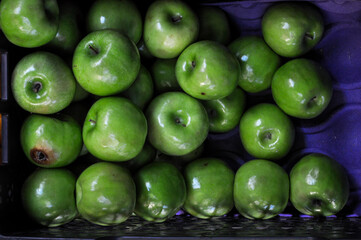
(319, 185)
(291, 29)
(106, 62)
(180, 161)
(163, 73)
(209, 184)
(207, 70)
(43, 83)
(214, 25)
(143, 50)
(114, 129)
(105, 194)
(161, 191)
(302, 88)
(29, 23)
(224, 114)
(80, 93)
(178, 123)
(68, 34)
(142, 90)
(169, 27)
(120, 15)
(51, 141)
(266, 132)
(147, 155)
(261, 189)
(258, 63)
(48, 196)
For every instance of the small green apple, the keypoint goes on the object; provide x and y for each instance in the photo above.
(163, 72)
(106, 62)
(178, 123)
(68, 34)
(120, 15)
(29, 23)
(51, 142)
(48, 196)
(302, 88)
(261, 189)
(266, 132)
(319, 185)
(105, 194)
(252, 53)
(115, 129)
(43, 83)
(142, 90)
(214, 25)
(291, 29)
(169, 27)
(224, 114)
(209, 184)
(147, 155)
(161, 191)
(207, 70)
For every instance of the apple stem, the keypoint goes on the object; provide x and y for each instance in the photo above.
(37, 86)
(193, 64)
(93, 49)
(92, 121)
(176, 18)
(309, 36)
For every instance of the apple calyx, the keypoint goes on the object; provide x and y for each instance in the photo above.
(179, 122)
(176, 18)
(37, 86)
(39, 156)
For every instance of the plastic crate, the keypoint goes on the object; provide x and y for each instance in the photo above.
(337, 133)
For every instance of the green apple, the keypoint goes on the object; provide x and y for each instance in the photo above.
(252, 53)
(48, 196)
(224, 114)
(43, 83)
(291, 29)
(302, 88)
(142, 90)
(51, 142)
(169, 27)
(207, 70)
(80, 93)
(214, 25)
(105, 194)
(178, 123)
(29, 23)
(68, 34)
(180, 161)
(209, 184)
(143, 50)
(161, 191)
(115, 129)
(120, 15)
(147, 155)
(266, 132)
(261, 189)
(163, 72)
(319, 185)
(106, 62)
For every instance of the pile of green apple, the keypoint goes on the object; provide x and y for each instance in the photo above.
(157, 88)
